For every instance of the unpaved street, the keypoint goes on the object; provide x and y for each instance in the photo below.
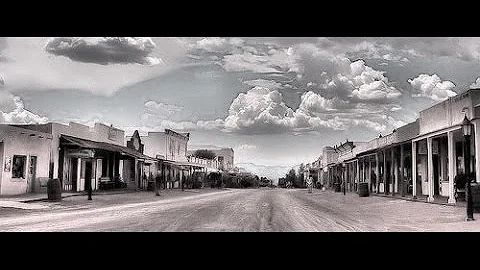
(242, 210)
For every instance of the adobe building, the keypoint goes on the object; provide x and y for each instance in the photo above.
(25, 157)
(80, 153)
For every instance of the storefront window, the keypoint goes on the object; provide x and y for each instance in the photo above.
(18, 168)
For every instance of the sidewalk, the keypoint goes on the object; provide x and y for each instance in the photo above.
(33, 197)
(420, 198)
(34, 201)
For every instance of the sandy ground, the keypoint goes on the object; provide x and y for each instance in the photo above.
(255, 210)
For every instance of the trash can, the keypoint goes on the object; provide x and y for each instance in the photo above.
(475, 189)
(54, 190)
(363, 189)
(337, 187)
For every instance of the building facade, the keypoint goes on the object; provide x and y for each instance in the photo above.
(82, 155)
(25, 157)
(420, 159)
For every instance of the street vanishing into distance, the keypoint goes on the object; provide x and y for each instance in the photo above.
(231, 210)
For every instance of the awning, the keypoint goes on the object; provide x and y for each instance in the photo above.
(106, 146)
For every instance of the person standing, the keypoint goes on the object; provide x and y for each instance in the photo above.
(310, 184)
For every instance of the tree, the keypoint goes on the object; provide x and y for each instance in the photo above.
(291, 177)
(204, 153)
(300, 177)
(281, 182)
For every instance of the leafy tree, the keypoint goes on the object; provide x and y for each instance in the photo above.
(300, 177)
(204, 153)
(281, 182)
(291, 176)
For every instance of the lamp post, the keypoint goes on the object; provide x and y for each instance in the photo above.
(467, 132)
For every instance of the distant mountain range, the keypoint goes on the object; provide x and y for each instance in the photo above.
(271, 172)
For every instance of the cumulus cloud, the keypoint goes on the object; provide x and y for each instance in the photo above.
(476, 84)
(213, 44)
(12, 109)
(356, 82)
(105, 51)
(275, 61)
(157, 115)
(313, 102)
(261, 110)
(431, 86)
(161, 110)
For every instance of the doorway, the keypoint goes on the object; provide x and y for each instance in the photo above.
(88, 174)
(436, 179)
(32, 173)
(74, 173)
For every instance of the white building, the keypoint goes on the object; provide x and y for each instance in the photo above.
(25, 158)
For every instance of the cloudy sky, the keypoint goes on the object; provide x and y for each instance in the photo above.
(276, 101)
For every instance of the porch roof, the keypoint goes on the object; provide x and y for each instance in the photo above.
(106, 146)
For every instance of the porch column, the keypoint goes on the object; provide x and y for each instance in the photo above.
(364, 169)
(385, 184)
(402, 165)
(451, 167)
(358, 175)
(430, 169)
(113, 171)
(393, 165)
(369, 172)
(377, 172)
(79, 171)
(414, 169)
(476, 141)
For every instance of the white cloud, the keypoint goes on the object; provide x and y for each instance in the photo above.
(247, 62)
(161, 110)
(476, 84)
(213, 44)
(313, 102)
(12, 111)
(261, 110)
(431, 86)
(357, 83)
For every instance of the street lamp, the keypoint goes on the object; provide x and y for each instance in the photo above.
(467, 133)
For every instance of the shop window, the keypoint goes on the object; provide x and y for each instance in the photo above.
(18, 168)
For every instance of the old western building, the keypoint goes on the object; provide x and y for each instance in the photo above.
(223, 160)
(82, 154)
(25, 157)
(171, 147)
(419, 160)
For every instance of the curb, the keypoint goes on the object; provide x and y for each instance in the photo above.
(83, 193)
(78, 194)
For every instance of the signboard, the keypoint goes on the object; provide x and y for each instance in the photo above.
(81, 153)
(422, 147)
(112, 134)
(8, 164)
(435, 147)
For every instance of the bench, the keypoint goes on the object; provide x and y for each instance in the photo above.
(106, 183)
